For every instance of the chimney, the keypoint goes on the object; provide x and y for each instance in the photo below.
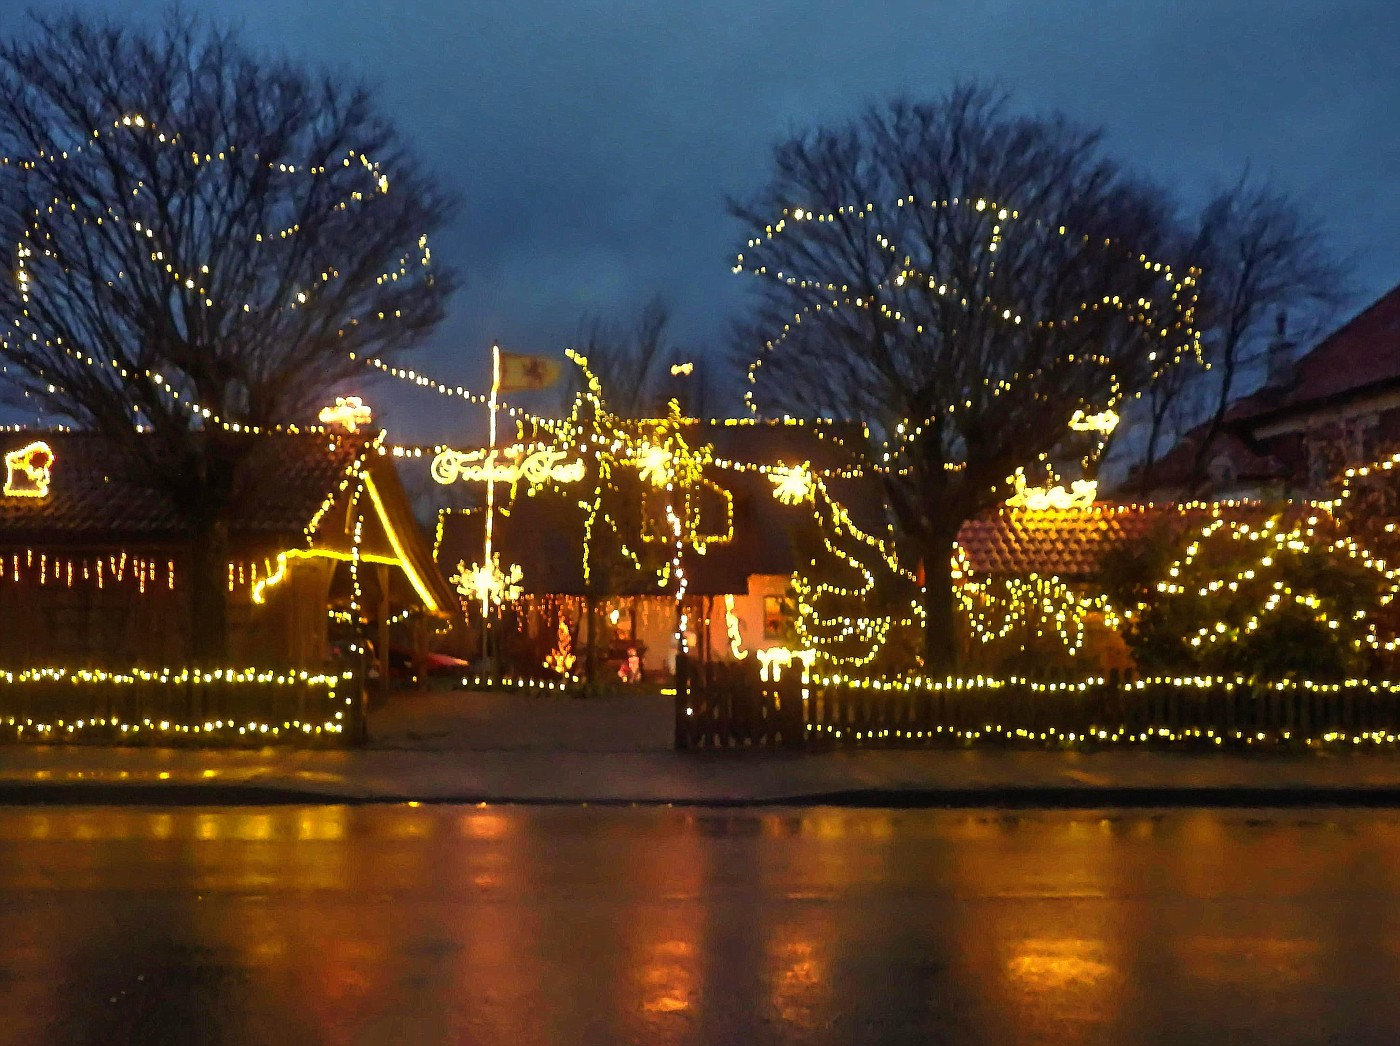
(1280, 360)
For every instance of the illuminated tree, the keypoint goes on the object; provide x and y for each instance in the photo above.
(1293, 595)
(965, 279)
(1025, 624)
(561, 658)
(205, 243)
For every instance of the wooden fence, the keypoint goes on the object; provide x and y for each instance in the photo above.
(724, 707)
(224, 707)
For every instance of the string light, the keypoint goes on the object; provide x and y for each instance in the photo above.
(517, 683)
(188, 280)
(997, 608)
(927, 723)
(1253, 587)
(45, 568)
(1178, 298)
(731, 629)
(177, 681)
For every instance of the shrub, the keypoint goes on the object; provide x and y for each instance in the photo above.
(1293, 596)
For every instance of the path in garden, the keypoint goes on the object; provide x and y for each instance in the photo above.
(472, 721)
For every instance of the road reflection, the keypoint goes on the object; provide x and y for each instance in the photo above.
(432, 924)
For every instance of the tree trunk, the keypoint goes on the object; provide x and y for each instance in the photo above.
(209, 552)
(940, 619)
(1200, 462)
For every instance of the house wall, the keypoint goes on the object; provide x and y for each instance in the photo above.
(1319, 445)
(749, 613)
(709, 620)
(290, 627)
(648, 623)
(118, 626)
(1361, 407)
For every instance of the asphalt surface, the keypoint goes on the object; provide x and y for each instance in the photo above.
(526, 925)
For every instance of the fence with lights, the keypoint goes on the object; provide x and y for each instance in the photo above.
(221, 706)
(731, 706)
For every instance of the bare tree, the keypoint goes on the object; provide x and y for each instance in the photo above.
(1262, 257)
(1169, 405)
(206, 242)
(633, 362)
(965, 280)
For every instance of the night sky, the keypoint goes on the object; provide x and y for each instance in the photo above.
(592, 143)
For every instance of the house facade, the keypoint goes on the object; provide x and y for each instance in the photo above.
(1337, 406)
(742, 544)
(96, 568)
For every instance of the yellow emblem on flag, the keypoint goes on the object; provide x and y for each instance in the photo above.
(521, 372)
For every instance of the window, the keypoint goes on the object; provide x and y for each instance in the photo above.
(777, 612)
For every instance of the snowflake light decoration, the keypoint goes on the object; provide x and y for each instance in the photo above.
(792, 486)
(486, 583)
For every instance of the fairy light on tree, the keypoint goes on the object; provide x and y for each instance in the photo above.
(1291, 595)
(561, 658)
(205, 245)
(968, 281)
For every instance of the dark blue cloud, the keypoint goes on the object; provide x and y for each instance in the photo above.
(593, 142)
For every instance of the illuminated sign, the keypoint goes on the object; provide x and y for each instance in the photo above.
(510, 465)
(774, 659)
(731, 627)
(1103, 423)
(27, 471)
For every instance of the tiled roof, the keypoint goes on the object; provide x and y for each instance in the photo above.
(1363, 352)
(1069, 543)
(1363, 355)
(1250, 463)
(94, 497)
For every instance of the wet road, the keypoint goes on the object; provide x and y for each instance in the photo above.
(570, 925)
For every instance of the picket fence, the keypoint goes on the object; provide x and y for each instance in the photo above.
(722, 706)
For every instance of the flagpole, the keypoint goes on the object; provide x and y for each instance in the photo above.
(490, 490)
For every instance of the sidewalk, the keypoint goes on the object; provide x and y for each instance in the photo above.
(56, 774)
(462, 747)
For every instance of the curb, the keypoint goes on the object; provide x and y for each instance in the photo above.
(1019, 798)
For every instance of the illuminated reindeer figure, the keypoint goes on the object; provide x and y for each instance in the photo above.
(27, 471)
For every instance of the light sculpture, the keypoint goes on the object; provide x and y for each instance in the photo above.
(28, 471)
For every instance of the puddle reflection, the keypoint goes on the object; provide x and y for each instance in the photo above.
(437, 924)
